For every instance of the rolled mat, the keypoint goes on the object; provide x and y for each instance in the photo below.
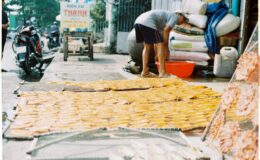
(178, 45)
(175, 35)
(188, 29)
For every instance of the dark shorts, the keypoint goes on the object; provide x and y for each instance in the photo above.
(147, 35)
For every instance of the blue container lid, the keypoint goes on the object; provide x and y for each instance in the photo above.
(66, 30)
(78, 30)
(85, 30)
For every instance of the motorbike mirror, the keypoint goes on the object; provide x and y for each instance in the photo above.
(33, 32)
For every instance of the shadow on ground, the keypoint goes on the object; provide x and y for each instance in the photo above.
(35, 76)
(98, 60)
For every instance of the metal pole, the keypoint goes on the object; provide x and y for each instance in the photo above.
(154, 134)
(244, 16)
(22, 3)
(52, 142)
(59, 139)
(65, 47)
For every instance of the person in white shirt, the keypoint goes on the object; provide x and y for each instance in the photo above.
(153, 28)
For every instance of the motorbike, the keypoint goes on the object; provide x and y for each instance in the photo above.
(28, 49)
(53, 40)
(18, 29)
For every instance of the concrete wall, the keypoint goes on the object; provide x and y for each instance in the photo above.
(122, 46)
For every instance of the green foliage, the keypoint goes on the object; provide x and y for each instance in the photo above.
(98, 16)
(45, 11)
(98, 11)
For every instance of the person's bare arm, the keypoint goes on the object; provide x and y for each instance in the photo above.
(167, 29)
(166, 33)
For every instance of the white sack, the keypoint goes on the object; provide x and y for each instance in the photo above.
(194, 7)
(179, 36)
(228, 24)
(189, 56)
(178, 45)
(200, 63)
(197, 20)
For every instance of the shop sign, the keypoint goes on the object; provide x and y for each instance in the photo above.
(75, 15)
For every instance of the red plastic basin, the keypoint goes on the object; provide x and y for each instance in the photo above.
(178, 68)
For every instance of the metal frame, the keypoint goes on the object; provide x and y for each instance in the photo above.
(186, 143)
(252, 43)
(128, 11)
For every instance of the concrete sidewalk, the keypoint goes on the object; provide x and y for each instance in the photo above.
(105, 67)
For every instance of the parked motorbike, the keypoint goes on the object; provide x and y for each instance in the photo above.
(28, 49)
(53, 40)
(18, 29)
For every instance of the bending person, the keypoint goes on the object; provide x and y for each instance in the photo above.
(153, 28)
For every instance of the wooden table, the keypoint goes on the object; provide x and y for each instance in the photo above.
(86, 49)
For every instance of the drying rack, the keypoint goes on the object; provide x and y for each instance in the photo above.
(100, 143)
(244, 121)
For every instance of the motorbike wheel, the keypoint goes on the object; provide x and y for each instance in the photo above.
(14, 47)
(26, 64)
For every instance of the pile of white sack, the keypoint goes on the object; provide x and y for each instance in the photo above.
(187, 42)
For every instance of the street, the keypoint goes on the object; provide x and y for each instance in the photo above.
(15, 75)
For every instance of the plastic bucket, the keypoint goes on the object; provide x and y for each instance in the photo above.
(179, 68)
